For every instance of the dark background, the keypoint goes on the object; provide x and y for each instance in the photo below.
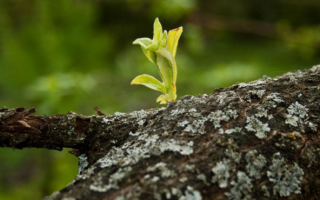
(72, 55)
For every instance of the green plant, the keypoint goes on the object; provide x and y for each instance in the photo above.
(161, 51)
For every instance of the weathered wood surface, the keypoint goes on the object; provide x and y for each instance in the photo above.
(257, 140)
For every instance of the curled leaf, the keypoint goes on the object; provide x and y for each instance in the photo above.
(150, 82)
(143, 42)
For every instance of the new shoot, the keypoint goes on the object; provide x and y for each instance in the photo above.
(161, 51)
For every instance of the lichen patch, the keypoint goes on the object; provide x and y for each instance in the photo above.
(83, 163)
(255, 164)
(258, 93)
(286, 178)
(241, 189)
(296, 114)
(221, 173)
(255, 125)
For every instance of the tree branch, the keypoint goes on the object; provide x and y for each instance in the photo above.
(20, 130)
(257, 140)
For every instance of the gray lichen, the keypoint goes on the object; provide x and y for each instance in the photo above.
(197, 126)
(233, 156)
(155, 179)
(119, 114)
(114, 179)
(241, 189)
(183, 123)
(296, 114)
(68, 198)
(218, 116)
(108, 121)
(144, 147)
(273, 100)
(293, 120)
(315, 68)
(133, 194)
(203, 178)
(189, 168)
(220, 98)
(312, 126)
(258, 93)
(176, 192)
(221, 173)
(255, 125)
(255, 164)
(177, 112)
(135, 134)
(139, 116)
(231, 130)
(162, 167)
(223, 169)
(183, 179)
(191, 194)
(263, 112)
(253, 83)
(298, 110)
(286, 178)
(192, 110)
(83, 163)
(175, 146)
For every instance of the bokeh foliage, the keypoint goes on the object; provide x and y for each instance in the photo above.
(72, 55)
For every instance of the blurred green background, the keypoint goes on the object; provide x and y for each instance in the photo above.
(72, 55)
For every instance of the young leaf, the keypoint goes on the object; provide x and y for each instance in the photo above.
(163, 99)
(152, 47)
(157, 31)
(150, 55)
(150, 82)
(165, 66)
(172, 40)
(143, 42)
(163, 42)
(172, 44)
(166, 55)
(164, 36)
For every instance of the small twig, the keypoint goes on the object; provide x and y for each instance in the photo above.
(98, 111)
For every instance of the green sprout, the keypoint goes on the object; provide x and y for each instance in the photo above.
(161, 51)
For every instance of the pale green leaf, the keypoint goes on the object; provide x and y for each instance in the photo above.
(157, 31)
(173, 39)
(163, 99)
(163, 41)
(152, 47)
(172, 44)
(143, 42)
(164, 36)
(150, 55)
(165, 54)
(165, 66)
(150, 82)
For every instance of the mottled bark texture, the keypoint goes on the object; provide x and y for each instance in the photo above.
(257, 140)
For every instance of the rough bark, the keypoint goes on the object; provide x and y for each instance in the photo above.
(257, 140)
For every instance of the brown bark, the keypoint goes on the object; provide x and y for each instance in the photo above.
(258, 140)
